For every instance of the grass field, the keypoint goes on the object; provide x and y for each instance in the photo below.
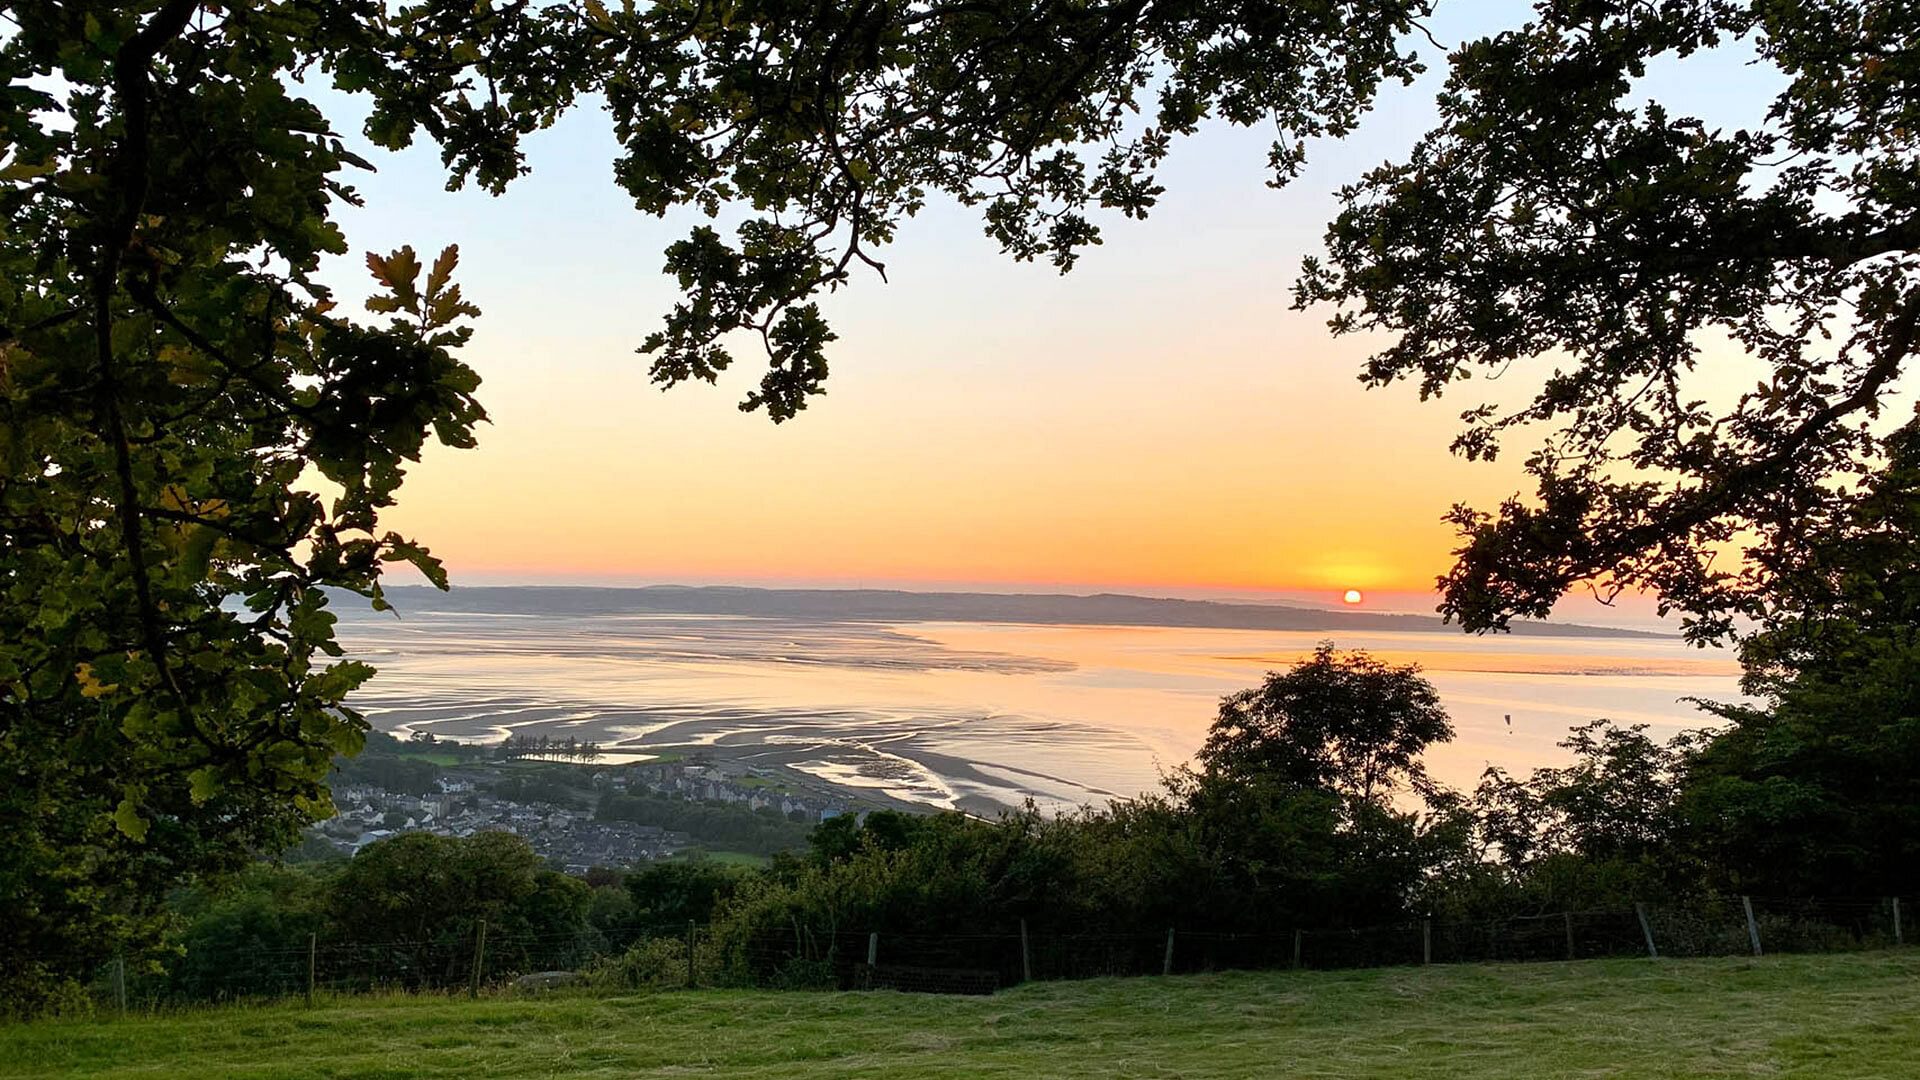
(1830, 1017)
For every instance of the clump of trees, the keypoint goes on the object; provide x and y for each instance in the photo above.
(405, 913)
(548, 748)
(1817, 787)
(556, 784)
(405, 774)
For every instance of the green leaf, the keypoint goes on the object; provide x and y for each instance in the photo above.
(398, 272)
(203, 784)
(196, 553)
(442, 270)
(128, 820)
(400, 549)
(27, 170)
(90, 685)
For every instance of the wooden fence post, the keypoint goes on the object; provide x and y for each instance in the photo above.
(693, 939)
(479, 959)
(873, 948)
(1026, 955)
(313, 948)
(1647, 929)
(1899, 935)
(1166, 962)
(1426, 941)
(120, 982)
(1753, 928)
(1569, 918)
(1296, 947)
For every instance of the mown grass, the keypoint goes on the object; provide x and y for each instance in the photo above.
(1831, 1017)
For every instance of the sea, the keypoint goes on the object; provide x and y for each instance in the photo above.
(970, 714)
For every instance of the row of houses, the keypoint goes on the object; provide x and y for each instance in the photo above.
(567, 838)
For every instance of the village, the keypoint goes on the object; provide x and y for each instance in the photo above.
(581, 822)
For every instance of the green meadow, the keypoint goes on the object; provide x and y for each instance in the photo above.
(1830, 1017)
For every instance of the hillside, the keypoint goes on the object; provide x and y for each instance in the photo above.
(1832, 1017)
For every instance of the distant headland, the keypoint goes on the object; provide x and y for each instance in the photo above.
(897, 606)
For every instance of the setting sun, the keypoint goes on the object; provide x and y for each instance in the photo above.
(1353, 596)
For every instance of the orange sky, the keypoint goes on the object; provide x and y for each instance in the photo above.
(1158, 418)
(1232, 464)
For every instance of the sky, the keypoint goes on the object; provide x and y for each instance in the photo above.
(1159, 420)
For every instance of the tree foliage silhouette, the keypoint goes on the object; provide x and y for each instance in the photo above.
(1554, 219)
(1343, 722)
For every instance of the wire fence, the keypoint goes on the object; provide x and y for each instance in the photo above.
(806, 957)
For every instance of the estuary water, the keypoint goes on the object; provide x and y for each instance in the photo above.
(972, 715)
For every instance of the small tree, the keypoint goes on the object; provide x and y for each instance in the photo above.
(1293, 805)
(1344, 722)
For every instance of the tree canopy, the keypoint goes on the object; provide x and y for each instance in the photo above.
(1556, 219)
(1347, 723)
(1818, 778)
